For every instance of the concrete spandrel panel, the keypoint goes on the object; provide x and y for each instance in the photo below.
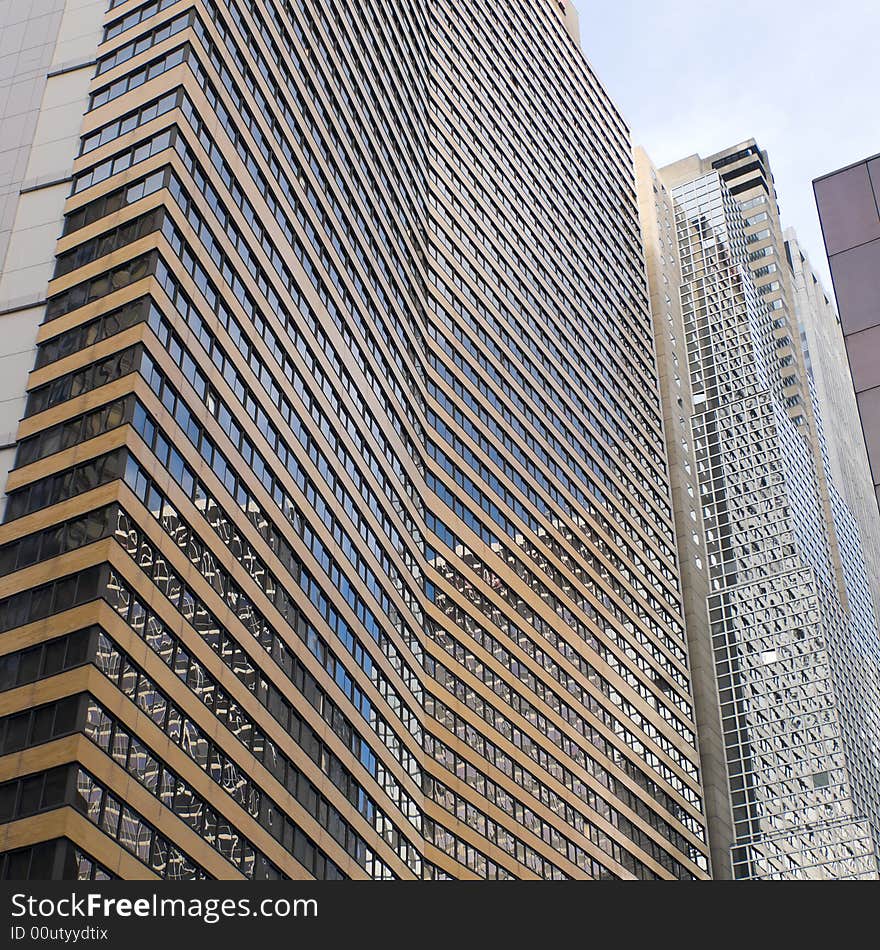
(856, 274)
(863, 350)
(848, 209)
(67, 88)
(56, 137)
(31, 252)
(18, 334)
(80, 32)
(25, 286)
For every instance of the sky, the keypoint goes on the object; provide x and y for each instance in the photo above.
(799, 76)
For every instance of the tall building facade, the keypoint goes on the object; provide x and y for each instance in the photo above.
(791, 620)
(660, 238)
(849, 209)
(849, 471)
(337, 537)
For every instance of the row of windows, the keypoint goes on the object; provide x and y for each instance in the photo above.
(115, 129)
(67, 484)
(31, 794)
(94, 331)
(121, 162)
(225, 772)
(278, 594)
(126, 826)
(550, 696)
(108, 242)
(158, 66)
(133, 17)
(101, 285)
(33, 727)
(46, 659)
(114, 201)
(37, 603)
(57, 540)
(72, 432)
(144, 42)
(68, 785)
(83, 380)
(55, 860)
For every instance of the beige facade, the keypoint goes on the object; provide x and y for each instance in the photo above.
(338, 541)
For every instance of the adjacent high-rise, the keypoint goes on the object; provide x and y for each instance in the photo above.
(791, 627)
(849, 208)
(337, 537)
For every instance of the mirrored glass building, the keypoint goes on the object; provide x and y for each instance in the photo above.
(791, 618)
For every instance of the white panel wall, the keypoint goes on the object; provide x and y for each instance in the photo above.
(47, 50)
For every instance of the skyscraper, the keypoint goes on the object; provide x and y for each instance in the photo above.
(790, 615)
(338, 539)
(849, 472)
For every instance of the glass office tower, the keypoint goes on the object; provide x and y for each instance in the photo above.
(790, 614)
(337, 536)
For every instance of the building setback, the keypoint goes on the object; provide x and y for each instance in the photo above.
(337, 537)
(790, 614)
